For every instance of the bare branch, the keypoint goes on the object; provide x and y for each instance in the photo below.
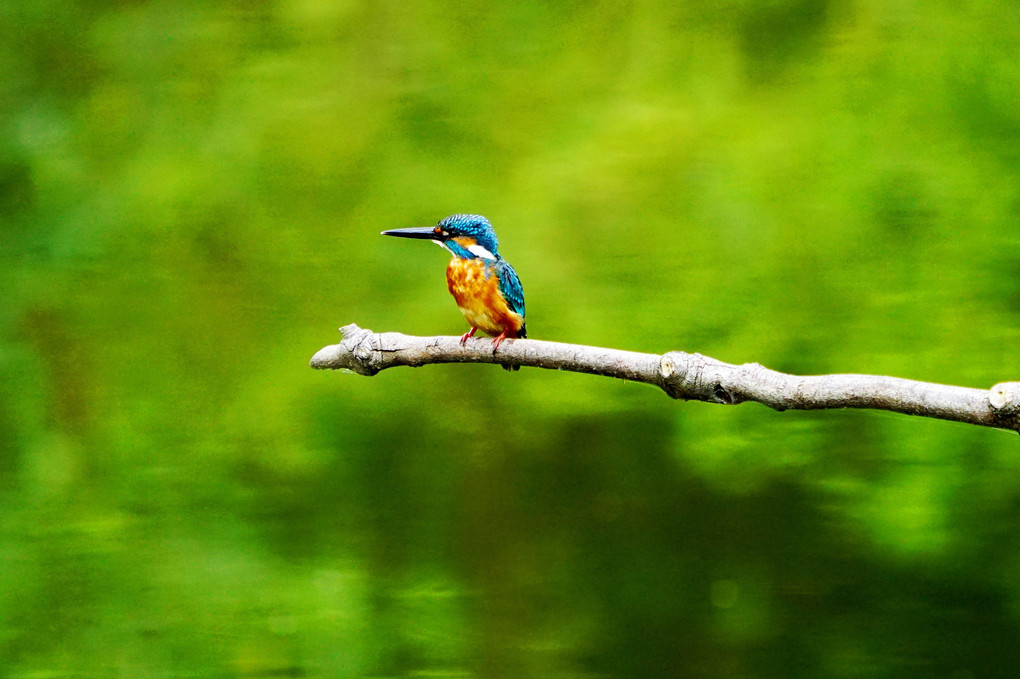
(685, 376)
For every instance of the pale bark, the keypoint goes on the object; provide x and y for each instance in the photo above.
(685, 376)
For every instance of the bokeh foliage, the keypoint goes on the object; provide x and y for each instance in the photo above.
(190, 197)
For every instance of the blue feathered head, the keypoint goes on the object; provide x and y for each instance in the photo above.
(470, 226)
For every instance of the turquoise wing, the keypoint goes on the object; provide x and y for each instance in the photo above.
(510, 286)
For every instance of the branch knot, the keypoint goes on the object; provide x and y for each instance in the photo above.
(355, 353)
(682, 375)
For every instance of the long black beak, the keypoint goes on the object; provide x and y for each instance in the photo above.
(425, 232)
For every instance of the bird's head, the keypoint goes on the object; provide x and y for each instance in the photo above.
(466, 236)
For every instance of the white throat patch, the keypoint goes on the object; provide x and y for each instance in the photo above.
(478, 251)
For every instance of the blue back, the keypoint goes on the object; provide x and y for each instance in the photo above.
(510, 286)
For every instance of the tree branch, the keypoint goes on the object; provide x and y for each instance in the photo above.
(685, 376)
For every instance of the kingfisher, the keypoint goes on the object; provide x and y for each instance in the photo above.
(485, 286)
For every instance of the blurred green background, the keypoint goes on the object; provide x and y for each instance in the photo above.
(191, 195)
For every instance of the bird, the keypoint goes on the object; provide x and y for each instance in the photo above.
(485, 286)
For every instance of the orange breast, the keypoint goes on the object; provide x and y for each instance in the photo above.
(475, 286)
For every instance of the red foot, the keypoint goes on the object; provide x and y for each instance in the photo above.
(499, 340)
(464, 337)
